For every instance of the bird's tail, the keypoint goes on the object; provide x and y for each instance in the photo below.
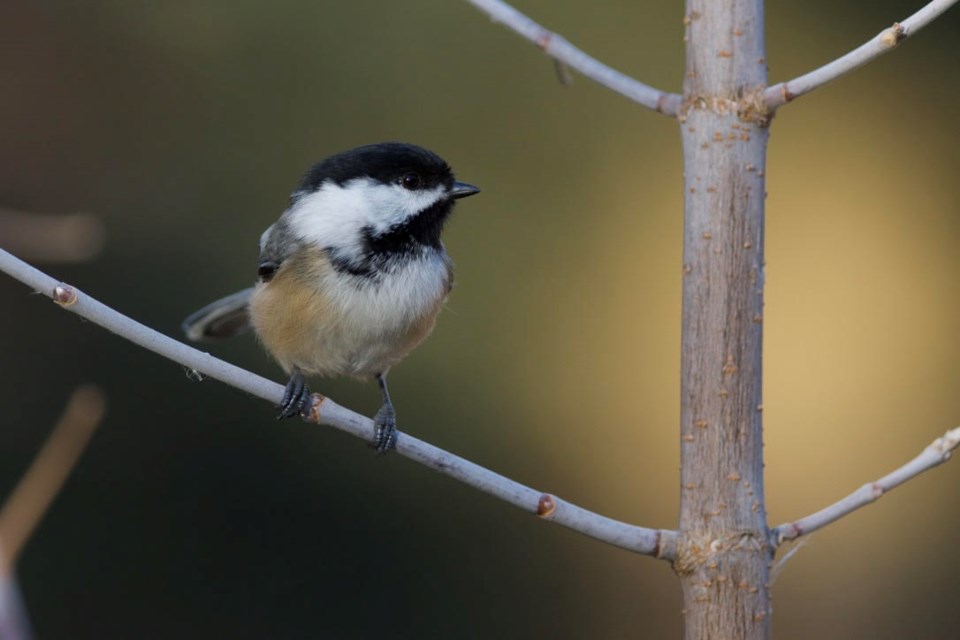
(225, 318)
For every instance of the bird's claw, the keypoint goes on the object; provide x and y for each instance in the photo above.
(297, 399)
(385, 429)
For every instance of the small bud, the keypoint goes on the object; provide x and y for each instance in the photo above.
(546, 506)
(894, 35)
(64, 295)
(315, 401)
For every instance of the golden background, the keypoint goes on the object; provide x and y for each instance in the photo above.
(193, 514)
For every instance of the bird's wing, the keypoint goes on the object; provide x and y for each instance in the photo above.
(225, 318)
(230, 316)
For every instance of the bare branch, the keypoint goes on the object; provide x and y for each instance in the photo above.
(33, 494)
(652, 542)
(937, 453)
(14, 624)
(880, 44)
(49, 470)
(558, 48)
(70, 237)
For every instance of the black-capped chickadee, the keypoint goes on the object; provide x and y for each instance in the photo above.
(352, 275)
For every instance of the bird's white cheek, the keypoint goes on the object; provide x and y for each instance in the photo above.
(392, 204)
(332, 216)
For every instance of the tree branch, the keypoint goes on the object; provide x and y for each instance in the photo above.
(937, 453)
(43, 480)
(60, 238)
(14, 623)
(886, 40)
(33, 494)
(558, 48)
(652, 542)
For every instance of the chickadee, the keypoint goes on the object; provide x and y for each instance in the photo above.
(352, 275)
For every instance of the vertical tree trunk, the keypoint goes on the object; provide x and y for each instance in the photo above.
(724, 552)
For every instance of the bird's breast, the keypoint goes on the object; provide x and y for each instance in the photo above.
(328, 322)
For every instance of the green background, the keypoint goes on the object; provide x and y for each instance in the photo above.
(184, 126)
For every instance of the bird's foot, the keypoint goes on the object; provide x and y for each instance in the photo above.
(385, 429)
(297, 399)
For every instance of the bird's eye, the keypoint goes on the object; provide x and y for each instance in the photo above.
(410, 181)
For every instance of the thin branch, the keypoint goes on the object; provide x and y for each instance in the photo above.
(43, 480)
(14, 623)
(33, 494)
(653, 542)
(880, 44)
(61, 238)
(558, 48)
(937, 453)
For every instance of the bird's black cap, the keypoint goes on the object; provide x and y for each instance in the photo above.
(385, 162)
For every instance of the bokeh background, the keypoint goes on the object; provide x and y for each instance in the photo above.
(193, 514)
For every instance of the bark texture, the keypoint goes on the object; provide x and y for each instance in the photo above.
(724, 548)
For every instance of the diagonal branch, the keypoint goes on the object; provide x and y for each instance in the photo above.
(14, 623)
(44, 479)
(558, 48)
(32, 496)
(60, 238)
(652, 542)
(886, 40)
(937, 453)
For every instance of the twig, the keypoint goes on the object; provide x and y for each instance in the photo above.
(70, 237)
(14, 623)
(557, 47)
(937, 453)
(880, 44)
(652, 542)
(46, 475)
(33, 495)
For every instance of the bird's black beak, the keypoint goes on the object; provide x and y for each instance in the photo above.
(462, 190)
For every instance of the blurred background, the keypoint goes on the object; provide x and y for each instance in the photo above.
(183, 127)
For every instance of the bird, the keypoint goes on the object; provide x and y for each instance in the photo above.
(352, 276)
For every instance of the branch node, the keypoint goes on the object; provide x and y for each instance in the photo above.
(752, 107)
(546, 506)
(786, 94)
(64, 295)
(657, 550)
(946, 443)
(894, 35)
(662, 103)
(543, 39)
(316, 400)
(788, 532)
(708, 550)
